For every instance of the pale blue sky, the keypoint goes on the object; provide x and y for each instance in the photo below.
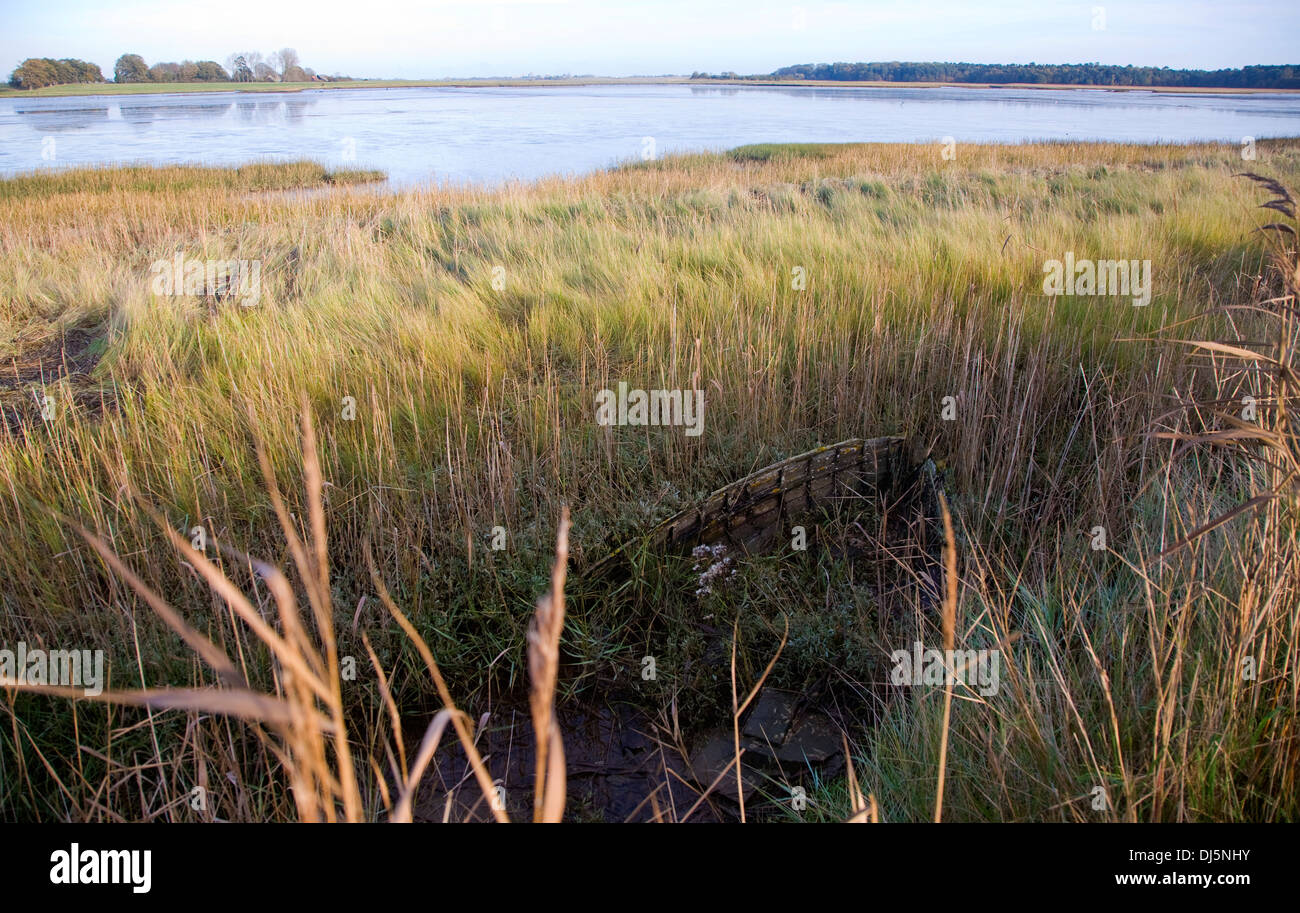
(431, 38)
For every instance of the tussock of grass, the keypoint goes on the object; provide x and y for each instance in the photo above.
(766, 152)
(474, 408)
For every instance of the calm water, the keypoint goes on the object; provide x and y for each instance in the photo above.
(489, 135)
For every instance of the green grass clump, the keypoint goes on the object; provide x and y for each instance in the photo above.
(766, 152)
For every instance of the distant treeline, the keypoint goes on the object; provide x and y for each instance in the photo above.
(132, 68)
(245, 66)
(1074, 74)
(38, 72)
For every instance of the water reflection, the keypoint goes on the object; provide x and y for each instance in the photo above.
(46, 119)
(56, 121)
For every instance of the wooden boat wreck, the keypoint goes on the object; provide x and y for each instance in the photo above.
(750, 514)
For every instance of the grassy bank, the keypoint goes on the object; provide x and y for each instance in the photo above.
(449, 344)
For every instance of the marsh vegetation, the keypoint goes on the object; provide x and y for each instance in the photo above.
(447, 343)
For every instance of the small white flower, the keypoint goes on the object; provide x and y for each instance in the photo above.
(720, 566)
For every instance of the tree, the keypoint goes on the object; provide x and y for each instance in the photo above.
(165, 72)
(33, 73)
(240, 71)
(282, 65)
(284, 60)
(211, 71)
(38, 72)
(130, 68)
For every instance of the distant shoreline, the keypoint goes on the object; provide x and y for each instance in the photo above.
(137, 88)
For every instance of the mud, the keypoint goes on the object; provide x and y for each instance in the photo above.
(622, 767)
(625, 766)
(26, 376)
(71, 355)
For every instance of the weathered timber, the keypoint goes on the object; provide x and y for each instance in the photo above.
(751, 512)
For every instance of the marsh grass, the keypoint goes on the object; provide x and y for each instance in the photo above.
(184, 179)
(473, 409)
(766, 152)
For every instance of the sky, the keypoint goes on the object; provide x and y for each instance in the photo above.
(414, 39)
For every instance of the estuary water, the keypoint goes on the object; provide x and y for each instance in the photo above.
(490, 135)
